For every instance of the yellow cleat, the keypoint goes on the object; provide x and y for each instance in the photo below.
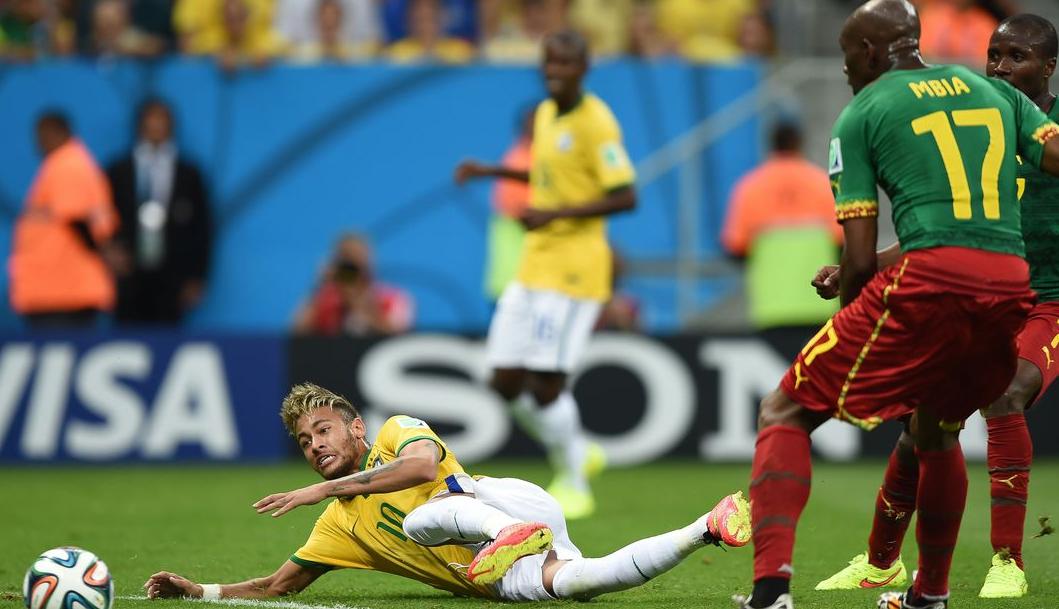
(595, 460)
(862, 574)
(576, 504)
(1004, 580)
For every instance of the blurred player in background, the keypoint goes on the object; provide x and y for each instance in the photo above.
(405, 506)
(1022, 51)
(928, 328)
(579, 174)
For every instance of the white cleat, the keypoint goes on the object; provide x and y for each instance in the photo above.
(783, 602)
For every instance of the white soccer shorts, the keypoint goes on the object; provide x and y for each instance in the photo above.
(540, 330)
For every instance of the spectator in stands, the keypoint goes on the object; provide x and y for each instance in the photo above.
(329, 42)
(703, 30)
(298, 22)
(781, 218)
(459, 18)
(604, 22)
(24, 32)
(515, 35)
(426, 39)
(236, 32)
(755, 35)
(955, 30)
(646, 40)
(58, 274)
(350, 301)
(165, 237)
(114, 36)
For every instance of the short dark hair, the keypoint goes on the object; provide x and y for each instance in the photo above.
(787, 137)
(54, 119)
(1039, 31)
(152, 103)
(571, 39)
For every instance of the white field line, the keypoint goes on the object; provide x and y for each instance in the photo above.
(251, 602)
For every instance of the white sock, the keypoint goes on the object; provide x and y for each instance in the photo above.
(563, 437)
(527, 414)
(458, 518)
(631, 566)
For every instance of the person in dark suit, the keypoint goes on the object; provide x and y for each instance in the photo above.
(165, 225)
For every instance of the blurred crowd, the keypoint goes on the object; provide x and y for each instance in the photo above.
(249, 32)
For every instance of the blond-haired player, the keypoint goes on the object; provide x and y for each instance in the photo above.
(403, 505)
(579, 174)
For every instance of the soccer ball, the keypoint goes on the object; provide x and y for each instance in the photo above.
(68, 578)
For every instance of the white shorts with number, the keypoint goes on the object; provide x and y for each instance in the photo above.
(529, 502)
(539, 330)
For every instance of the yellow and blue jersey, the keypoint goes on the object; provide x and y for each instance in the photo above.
(577, 157)
(365, 532)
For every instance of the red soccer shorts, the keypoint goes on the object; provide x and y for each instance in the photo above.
(1038, 342)
(938, 328)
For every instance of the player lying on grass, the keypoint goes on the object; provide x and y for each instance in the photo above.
(405, 506)
(1022, 51)
(929, 333)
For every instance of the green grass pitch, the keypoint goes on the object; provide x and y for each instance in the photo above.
(197, 521)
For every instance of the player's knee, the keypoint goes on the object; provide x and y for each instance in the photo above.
(775, 409)
(546, 387)
(507, 385)
(1009, 403)
(421, 524)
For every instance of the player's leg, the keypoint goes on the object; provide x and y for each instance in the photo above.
(1009, 455)
(779, 489)
(563, 326)
(639, 562)
(941, 498)
(455, 518)
(881, 565)
(508, 345)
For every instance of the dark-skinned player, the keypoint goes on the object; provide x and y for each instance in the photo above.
(928, 331)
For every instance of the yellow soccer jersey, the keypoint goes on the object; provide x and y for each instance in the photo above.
(365, 532)
(577, 157)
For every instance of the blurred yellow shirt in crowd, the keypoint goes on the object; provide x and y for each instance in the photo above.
(446, 50)
(200, 26)
(703, 30)
(605, 23)
(577, 158)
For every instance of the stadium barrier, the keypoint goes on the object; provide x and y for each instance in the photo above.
(162, 397)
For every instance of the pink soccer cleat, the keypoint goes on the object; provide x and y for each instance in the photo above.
(513, 543)
(729, 522)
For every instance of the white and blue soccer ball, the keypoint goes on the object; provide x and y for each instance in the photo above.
(68, 578)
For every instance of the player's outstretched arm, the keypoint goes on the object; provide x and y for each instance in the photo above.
(417, 464)
(290, 578)
(472, 170)
(616, 201)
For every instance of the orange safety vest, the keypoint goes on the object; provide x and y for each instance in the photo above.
(52, 270)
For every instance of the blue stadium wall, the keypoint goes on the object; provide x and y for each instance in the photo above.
(294, 155)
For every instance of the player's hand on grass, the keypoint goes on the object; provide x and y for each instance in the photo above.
(468, 170)
(533, 219)
(281, 503)
(826, 282)
(170, 585)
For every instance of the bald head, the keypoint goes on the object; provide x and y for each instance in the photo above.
(880, 36)
(884, 22)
